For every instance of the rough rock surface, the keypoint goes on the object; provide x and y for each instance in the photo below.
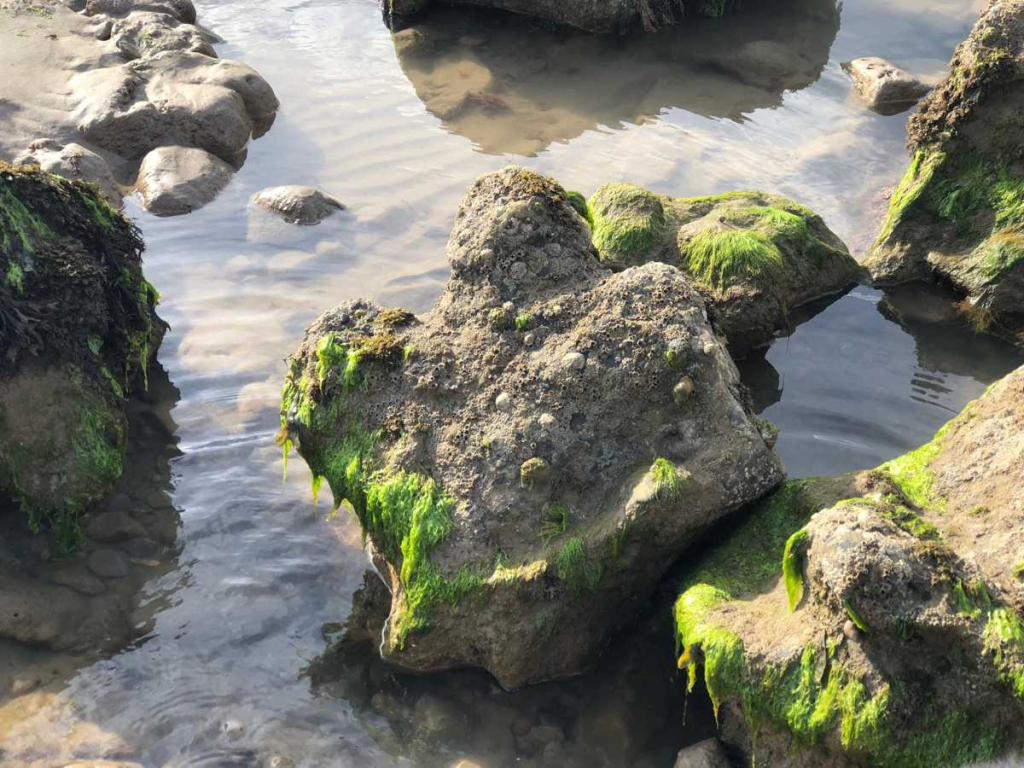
(874, 620)
(703, 754)
(884, 88)
(177, 180)
(132, 77)
(77, 330)
(591, 15)
(297, 204)
(753, 256)
(517, 456)
(957, 215)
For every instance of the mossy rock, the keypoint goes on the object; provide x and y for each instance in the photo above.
(755, 257)
(77, 330)
(826, 618)
(957, 216)
(463, 440)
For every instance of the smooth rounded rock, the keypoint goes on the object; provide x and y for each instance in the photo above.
(108, 563)
(682, 391)
(883, 87)
(113, 526)
(298, 204)
(177, 180)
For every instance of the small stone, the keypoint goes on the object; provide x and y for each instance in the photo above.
(277, 761)
(709, 348)
(503, 402)
(535, 472)
(141, 548)
(113, 526)
(233, 729)
(682, 391)
(703, 754)
(850, 629)
(676, 353)
(21, 686)
(297, 204)
(884, 88)
(518, 270)
(529, 339)
(108, 563)
(500, 319)
(120, 502)
(574, 361)
(547, 420)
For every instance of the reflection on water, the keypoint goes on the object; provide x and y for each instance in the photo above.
(871, 377)
(231, 634)
(511, 85)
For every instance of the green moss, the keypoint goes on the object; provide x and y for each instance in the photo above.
(668, 481)
(722, 258)
(556, 522)
(911, 474)
(389, 320)
(20, 226)
(1004, 639)
(573, 566)
(1001, 253)
(913, 184)
(15, 278)
(626, 222)
(524, 322)
(792, 567)
(346, 357)
(1018, 570)
(579, 204)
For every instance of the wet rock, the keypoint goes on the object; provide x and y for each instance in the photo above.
(74, 162)
(76, 576)
(436, 721)
(78, 326)
(113, 527)
(883, 87)
(297, 204)
(591, 15)
(179, 10)
(682, 391)
(103, 764)
(177, 180)
(481, 586)
(703, 754)
(108, 563)
(861, 609)
(955, 217)
(145, 33)
(753, 256)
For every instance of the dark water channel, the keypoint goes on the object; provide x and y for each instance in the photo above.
(232, 619)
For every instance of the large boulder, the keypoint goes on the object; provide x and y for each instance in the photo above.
(753, 256)
(957, 216)
(874, 619)
(528, 457)
(77, 331)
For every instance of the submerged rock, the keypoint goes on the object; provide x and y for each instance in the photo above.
(876, 619)
(883, 87)
(515, 538)
(591, 15)
(177, 180)
(297, 204)
(77, 331)
(753, 256)
(958, 214)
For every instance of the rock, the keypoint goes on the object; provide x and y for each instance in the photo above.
(478, 585)
(682, 391)
(882, 87)
(78, 326)
(113, 527)
(145, 33)
(591, 15)
(436, 721)
(74, 162)
(703, 754)
(754, 257)
(108, 563)
(177, 180)
(298, 205)
(853, 614)
(173, 98)
(59, 619)
(179, 10)
(956, 216)
(103, 764)
(77, 577)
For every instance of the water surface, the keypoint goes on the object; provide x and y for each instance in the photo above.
(221, 672)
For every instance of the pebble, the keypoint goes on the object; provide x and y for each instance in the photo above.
(503, 402)
(574, 361)
(682, 391)
(108, 563)
(850, 629)
(233, 729)
(528, 339)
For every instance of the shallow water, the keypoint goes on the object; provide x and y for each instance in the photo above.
(229, 631)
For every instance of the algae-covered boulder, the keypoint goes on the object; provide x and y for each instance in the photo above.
(958, 214)
(875, 619)
(529, 456)
(77, 330)
(753, 256)
(591, 15)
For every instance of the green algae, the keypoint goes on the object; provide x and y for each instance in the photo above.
(626, 222)
(579, 204)
(15, 278)
(912, 475)
(574, 568)
(792, 567)
(721, 258)
(556, 522)
(668, 480)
